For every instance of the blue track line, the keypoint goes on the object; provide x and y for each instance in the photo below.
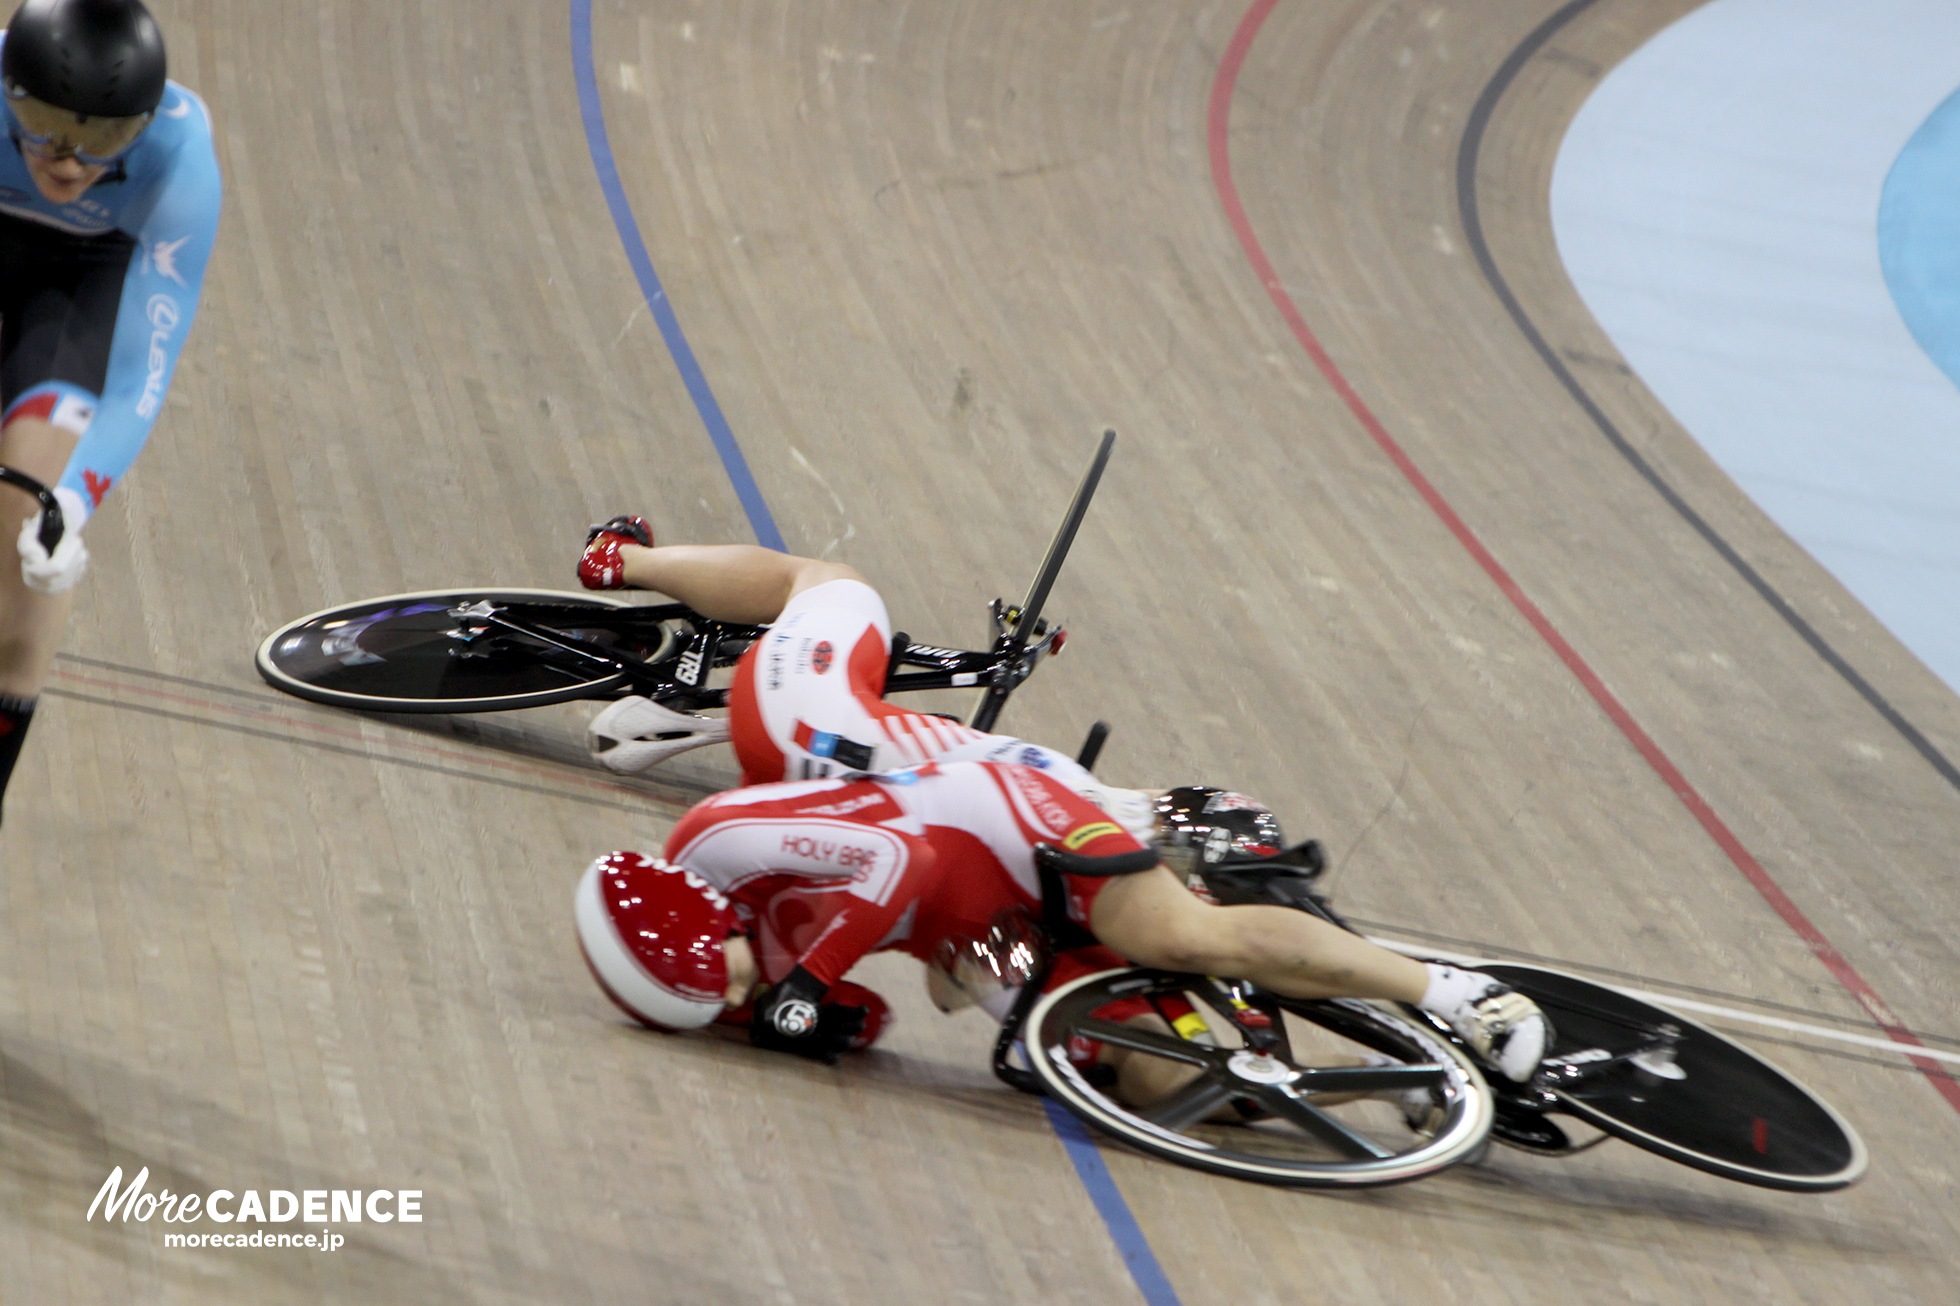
(1088, 1162)
(737, 466)
(1124, 1230)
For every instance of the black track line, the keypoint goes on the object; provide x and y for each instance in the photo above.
(320, 745)
(1473, 230)
(1497, 951)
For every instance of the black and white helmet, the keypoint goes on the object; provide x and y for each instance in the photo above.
(1201, 826)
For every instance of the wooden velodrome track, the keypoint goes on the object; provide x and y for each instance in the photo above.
(923, 251)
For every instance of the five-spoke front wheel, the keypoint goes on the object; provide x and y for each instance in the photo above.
(1325, 1103)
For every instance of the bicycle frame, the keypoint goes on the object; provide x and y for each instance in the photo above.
(680, 678)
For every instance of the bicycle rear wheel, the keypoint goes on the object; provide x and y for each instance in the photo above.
(1324, 1123)
(1730, 1113)
(403, 653)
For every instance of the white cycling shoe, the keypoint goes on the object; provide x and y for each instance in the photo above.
(1503, 1027)
(1506, 1029)
(635, 734)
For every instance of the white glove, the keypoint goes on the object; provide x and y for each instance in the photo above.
(57, 572)
(626, 737)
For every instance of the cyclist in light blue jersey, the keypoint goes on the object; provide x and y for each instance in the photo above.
(109, 197)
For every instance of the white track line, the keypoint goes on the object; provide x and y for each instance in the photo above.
(1703, 1008)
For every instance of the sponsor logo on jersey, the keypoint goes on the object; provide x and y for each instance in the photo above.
(163, 255)
(848, 806)
(97, 486)
(1090, 833)
(1035, 792)
(1037, 758)
(164, 315)
(775, 659)
(829, 852)
(820, 656)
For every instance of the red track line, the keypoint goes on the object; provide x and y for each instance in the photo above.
(1219, 138)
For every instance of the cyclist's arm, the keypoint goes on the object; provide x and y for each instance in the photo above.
(159, 299)
(728, 582)
(854, 881)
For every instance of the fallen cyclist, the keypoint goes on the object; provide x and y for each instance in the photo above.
(767, 896)
(807, 698)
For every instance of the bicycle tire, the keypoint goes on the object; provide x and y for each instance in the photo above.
(1733, 1113)
(394, 654)
(1286, 1154)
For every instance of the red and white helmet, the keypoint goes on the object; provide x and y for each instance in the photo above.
(652, 935)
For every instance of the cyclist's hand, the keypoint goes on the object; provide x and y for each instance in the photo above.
(790, 1018)
(600, 566)
(57, 572)
(855, 997)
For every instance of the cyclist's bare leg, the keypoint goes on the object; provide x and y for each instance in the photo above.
(728, 582)
(1155, 921)
(31, 623)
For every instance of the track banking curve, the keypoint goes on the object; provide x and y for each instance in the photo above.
(1219, 137)
(922, 252)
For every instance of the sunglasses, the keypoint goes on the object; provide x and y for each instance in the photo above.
(59, 133)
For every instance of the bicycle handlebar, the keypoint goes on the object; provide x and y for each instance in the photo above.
(1015, 642)
(52, 523)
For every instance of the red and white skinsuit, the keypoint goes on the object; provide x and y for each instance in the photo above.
(825, 871)
(805, 702)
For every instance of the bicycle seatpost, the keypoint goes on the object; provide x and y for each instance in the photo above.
(52, 522)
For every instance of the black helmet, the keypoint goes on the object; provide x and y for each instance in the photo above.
(92, 58)
(1200, 826)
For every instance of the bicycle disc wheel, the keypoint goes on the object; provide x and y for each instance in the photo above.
(400, 653)
(1730, 1112)
(1303, 1135)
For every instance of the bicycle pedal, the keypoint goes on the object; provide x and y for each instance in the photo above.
(1528, 1131)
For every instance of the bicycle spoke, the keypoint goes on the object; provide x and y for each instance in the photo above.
(1190, 1104)
(1149, 1042)
(1281, 1101)
(1368, 1079)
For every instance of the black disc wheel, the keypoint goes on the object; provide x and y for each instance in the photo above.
(421, 653)
(1701, 1099)
(1327, 1103)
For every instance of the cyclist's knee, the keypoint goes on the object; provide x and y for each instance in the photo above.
(812, 572)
